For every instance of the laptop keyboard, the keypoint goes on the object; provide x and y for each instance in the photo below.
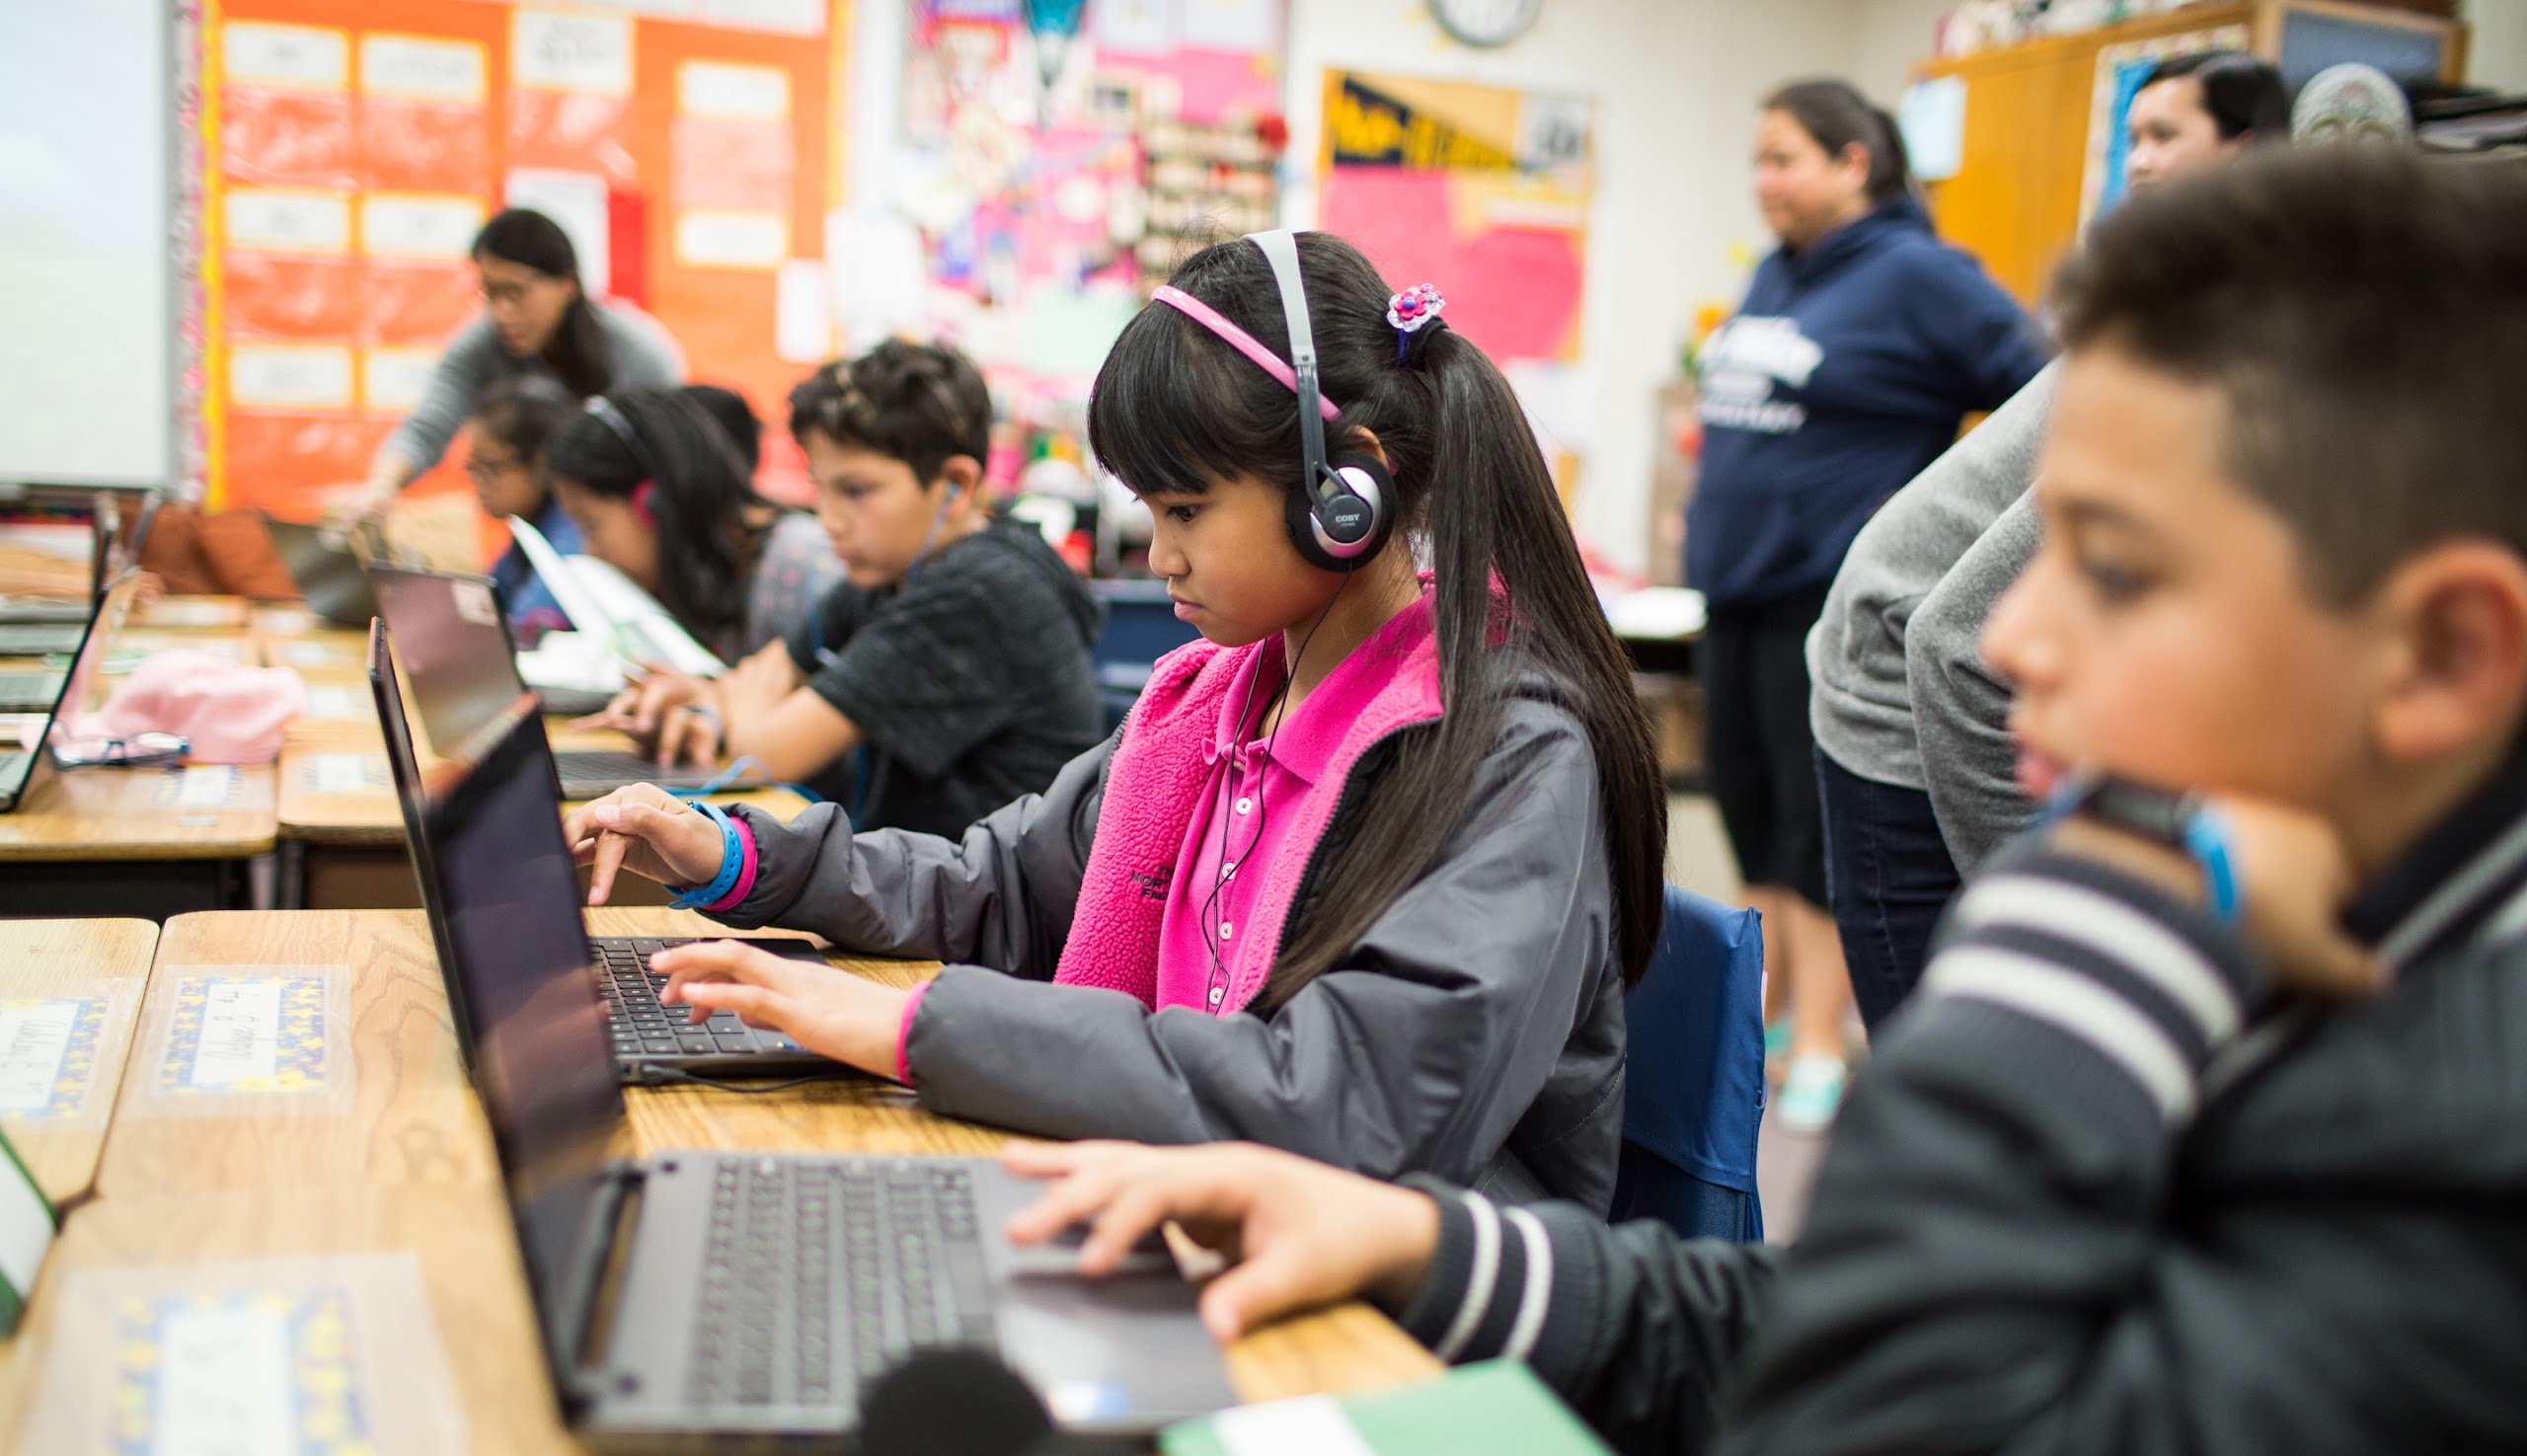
(869, 1257)
(643, 1025)
(35, 690)
(35, 641)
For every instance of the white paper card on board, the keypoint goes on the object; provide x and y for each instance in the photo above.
(206, 786)
(276, 219)
(554, 52)
(287, 57)
(240, 1032)
(1314, 1425)
(576, 201)
(290, 376)
(393, 380)
(717, 91)
(225, 1382)
(417, 68)
(801, 315)
(792, 16)
(1932, 117)
(1232, 25)
(418, 225)
(33, 1037)
(1135, 25)
(707, 237)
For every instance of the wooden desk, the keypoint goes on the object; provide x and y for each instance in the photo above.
(460, 1234)
(333, 650)
(409, 1117)
(104, 967)
(1352, 1347)
(121, 841)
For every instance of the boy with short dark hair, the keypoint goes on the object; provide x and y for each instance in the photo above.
(2208, 1130)
(955, 654)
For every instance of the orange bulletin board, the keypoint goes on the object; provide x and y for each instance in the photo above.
(353, 147)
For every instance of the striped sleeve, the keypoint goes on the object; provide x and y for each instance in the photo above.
(2147, 986)
(1507, 1282)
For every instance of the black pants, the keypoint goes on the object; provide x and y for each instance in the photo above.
(1757, 745)
(1889, 878)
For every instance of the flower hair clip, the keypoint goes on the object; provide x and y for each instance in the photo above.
(1410, 311)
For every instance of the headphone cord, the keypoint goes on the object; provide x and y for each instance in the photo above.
(1237, 753)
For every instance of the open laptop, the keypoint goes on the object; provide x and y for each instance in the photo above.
(700, 1299)
(23, 733)
(453, 639)
(328, 567)
(653, 1042)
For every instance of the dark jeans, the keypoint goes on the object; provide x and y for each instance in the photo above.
(1887, 876)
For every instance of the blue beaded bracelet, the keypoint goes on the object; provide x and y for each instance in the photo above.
(731, 863)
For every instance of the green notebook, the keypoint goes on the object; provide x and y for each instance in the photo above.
(27, 1226)
(1498, 1406)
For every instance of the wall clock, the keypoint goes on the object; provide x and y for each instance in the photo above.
(1485, 22)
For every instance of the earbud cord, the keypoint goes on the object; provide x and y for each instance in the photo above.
(938, 523)
(1236, 749)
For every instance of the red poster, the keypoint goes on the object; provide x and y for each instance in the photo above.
(285, 138)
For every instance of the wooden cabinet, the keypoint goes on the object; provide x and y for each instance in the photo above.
(2040, 116)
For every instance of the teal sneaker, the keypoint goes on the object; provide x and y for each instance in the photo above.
(1811, 1093)
(1776, 1040)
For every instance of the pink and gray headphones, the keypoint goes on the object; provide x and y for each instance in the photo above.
(1343, 511)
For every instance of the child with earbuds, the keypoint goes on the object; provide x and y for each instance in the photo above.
(1366, 871)
(955, 655)
(2206, 1129)
(659, 493)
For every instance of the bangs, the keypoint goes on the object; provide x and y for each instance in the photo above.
(1175, 408)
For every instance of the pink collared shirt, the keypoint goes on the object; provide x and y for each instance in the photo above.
(1207, 959)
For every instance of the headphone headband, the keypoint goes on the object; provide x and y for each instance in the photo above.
(605, 409)
(1281, 250)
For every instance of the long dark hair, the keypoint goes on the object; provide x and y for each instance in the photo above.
(1175, 408)
(2244, 95)
(1836, 116)
(701, 498)
(523, 412)
(577, 351)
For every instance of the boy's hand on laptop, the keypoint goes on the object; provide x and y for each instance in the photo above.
(834, 1014)
(639, 708)
(1302, 1234)
(646, 830)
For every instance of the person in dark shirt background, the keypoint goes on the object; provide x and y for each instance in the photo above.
(1860, 346)
(954, 656)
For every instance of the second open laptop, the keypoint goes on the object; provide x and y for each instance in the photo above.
(60, 693)
(653, 1042)
(741, 1300)
(454, 643)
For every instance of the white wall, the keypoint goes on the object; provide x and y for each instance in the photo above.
(1676, 82)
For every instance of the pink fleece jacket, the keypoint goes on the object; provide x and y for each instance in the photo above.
(1164, 762)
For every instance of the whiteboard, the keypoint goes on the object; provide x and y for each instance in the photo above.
(86, 327)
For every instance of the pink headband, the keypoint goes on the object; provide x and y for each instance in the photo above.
(1238, 338)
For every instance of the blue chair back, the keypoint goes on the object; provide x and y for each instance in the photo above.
(1693, 1074)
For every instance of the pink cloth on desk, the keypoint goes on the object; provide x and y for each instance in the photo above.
(229, 713)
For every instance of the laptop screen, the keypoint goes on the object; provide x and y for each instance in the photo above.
(510, 897)
(413, 798)
(453, 645)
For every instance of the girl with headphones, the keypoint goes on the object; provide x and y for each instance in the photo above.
(1366, 871)
(954, 655)
(659, 493)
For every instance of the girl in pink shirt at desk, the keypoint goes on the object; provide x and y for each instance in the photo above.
(1366, 871)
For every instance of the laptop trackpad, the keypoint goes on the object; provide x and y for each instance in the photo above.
(1126, 1352)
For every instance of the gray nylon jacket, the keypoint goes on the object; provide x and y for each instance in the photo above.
(1476, 1032)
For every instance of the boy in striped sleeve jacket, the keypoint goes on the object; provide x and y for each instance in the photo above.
(2208, 1130)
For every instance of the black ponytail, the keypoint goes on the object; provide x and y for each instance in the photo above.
(1175, 408)
(1836, 116)
(701, 498)
(576, 351)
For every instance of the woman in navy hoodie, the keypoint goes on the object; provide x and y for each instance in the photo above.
(1861, 343)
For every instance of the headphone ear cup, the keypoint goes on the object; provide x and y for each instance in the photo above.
(1345, 529)
(640, 494)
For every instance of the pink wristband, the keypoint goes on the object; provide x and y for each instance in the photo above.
(904, 1034)
(746, 871)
